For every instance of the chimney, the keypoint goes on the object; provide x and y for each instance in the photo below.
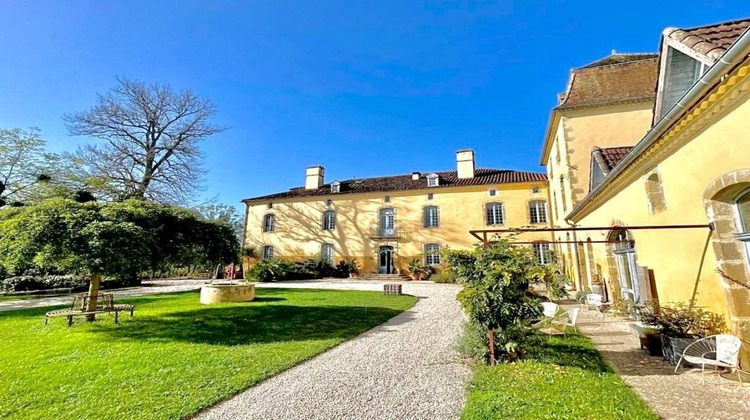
(415, 175)
(465, 163)
(314, 177)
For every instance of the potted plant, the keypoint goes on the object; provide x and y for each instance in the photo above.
(415, 269)
(679, 326)
(354, 267)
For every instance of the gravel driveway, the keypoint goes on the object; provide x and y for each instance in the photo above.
(406, 368)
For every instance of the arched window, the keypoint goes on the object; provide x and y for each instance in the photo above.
(269, 223)
(329, 220)
(432, 254)
(267, 252)
(655, 194)
(538, 211)
(495, 214)
(743, 211)
(431, 216)
(327, 253)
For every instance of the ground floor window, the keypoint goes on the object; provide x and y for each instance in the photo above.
(542, 252)
(267, 252)
(326, 253)
(431, 254)
(626, 268)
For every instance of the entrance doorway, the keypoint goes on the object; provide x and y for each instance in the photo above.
(386, 260)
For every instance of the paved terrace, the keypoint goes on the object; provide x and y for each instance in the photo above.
(672, 396)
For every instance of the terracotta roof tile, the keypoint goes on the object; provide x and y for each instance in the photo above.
(614, 79)
(609, 157)
(405, 182)
(710, 41)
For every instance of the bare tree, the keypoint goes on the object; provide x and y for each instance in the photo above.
(24, 165)
(151, 142)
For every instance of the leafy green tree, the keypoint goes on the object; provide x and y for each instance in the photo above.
(496, 293)
(223, 213)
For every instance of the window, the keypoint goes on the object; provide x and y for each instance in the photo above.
(742, 204)
(542, 252)
(495, 214)
(562, 194)
(626, 268)
(267, 252)
(430, 196)
(329, 202)
(431, 216)
(492, 193)
(387, 199)
(335, 187)
(432, 180)
(538, 211)
(326, 253)
(269, 223)
(682, 71)
(329, 220)
(270, 205)
(387, 226)
(535, 190)
(432, 254)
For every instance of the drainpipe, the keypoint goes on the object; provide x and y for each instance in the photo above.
(733, 56)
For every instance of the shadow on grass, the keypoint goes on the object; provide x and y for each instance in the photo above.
(237, 325)
(571, 351)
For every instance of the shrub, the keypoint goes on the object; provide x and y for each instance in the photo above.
(268, 270)
(445, 276)
(28, 283)
(678, 320)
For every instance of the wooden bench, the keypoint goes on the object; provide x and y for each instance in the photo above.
(105, 303)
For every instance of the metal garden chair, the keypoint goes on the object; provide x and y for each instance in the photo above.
(566, 319)
(549, 311)
(720, 350)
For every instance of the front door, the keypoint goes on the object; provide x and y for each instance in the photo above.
(386, 260)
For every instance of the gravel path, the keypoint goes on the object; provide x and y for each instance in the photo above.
(150, 288)
(671, 396)
(406, 368)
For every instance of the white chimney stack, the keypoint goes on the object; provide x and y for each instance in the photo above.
(465, 164)
(314, 177)
(415, 175)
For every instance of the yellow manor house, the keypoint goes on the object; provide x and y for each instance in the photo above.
(648, 156)
(647, 184)
(385, 222)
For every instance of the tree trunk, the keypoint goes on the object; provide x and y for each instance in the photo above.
(491, 337)
(96, 280)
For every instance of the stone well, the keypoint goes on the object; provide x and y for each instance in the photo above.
(227, 292)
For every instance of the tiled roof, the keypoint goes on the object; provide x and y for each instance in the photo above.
(710, 41)
(618, 58)
(609, 157)
(614, 79)
(405, 182)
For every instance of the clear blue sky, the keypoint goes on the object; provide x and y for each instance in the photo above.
(364, 88)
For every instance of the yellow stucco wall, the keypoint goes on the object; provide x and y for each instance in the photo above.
(298, 233)
(707, 150)
(568, 164)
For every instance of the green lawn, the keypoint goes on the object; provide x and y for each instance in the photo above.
(176, 356)
(565, 378)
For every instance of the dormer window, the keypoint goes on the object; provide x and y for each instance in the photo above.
(432, 180)
(679, 71)
(335, 187)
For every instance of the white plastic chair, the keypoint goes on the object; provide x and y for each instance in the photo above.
(549, 311)
(596, 301)
(720, 350)
(565, 320)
